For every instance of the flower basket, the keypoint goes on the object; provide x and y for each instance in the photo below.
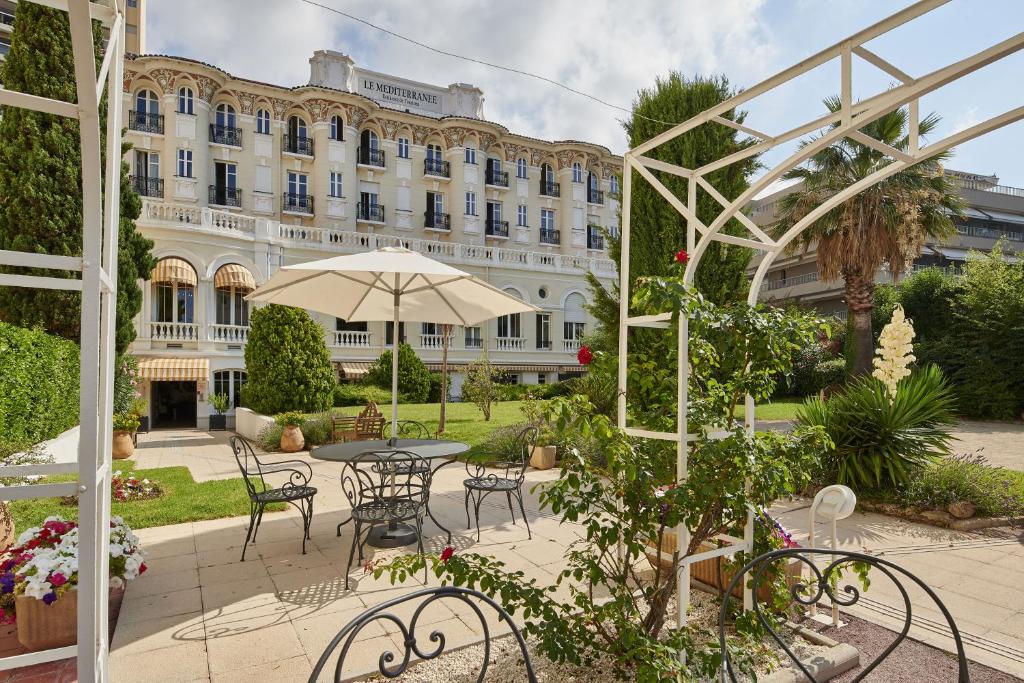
(41, 626)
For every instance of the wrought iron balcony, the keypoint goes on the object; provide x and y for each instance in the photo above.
(368, 156)
(145, 122)
(497, 228)
(370, 212)
(497, 178)
(437, 221)
(225, 196)
(436, 168)
(297, 203)
(147, 187)
(550, 237)
(225, 135)
(295, 144)
(595, 196)
(550, 189)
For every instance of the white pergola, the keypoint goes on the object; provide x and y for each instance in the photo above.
(844, 123)
(98, 268)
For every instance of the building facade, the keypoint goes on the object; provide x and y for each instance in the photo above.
(994, 213)
(134, 26)
(239, 178)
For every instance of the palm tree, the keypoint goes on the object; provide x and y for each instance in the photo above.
(886, 224)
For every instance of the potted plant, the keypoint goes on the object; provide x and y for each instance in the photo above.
(542, 451)
(140, 407)
(123, 444)
(39, 580)
(220, 403)
(291, 437)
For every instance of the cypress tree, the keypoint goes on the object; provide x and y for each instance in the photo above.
(41, 181)
(658, 231)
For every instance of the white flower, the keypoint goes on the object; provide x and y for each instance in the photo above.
(894, 352)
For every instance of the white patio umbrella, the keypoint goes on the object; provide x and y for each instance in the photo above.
(392, 283)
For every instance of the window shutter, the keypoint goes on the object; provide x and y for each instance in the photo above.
(574, 308)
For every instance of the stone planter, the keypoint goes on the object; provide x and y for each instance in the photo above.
(218, 423)
(292, 439)
(123, 445)
(542, 457)
(42, 627)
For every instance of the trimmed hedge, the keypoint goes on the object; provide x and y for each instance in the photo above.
(38, 384)
(413, 376)
(360, 395)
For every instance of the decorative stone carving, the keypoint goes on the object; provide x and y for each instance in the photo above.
(389, 127)
(455, 136)
(420, 134)
(280, 107)
(126, 84)
(486, 140)
(207, 88)
(536, 157)
(246, 101)
(512, 151)
(165, 77)
(319, 109)
(356, 115)
(565, 158)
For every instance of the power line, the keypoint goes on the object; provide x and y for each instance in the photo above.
(520, 72)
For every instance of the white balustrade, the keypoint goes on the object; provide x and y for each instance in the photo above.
(225, 220)
(350, 339)
(174, 332)
(510, 343)
(231, 334)
(571, 345)
(433, 341)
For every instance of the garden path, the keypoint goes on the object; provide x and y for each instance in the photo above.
(1002, 443)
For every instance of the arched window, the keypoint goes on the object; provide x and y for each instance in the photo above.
(575, 321)
(232, 282)
(263, 122)
(369, 140)
(186, 101)
(510, 326)
(337, 128)
(174, 283)
(146, 116)
(521, 168)
(548, 186)
(146, 102)
(298, 141)
(434, 153)
(225, 116)
(577, 172)
(547, 174)
(370, 153)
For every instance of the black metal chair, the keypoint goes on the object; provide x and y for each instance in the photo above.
(509, 479)
(385, 487)
(824, 581)
(407, 429)
(295, 491)
(382, 613)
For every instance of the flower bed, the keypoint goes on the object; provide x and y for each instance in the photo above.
(126, 488)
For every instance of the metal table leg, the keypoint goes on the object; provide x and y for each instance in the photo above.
(431, 514)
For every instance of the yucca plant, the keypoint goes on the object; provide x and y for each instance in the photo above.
(881, 439)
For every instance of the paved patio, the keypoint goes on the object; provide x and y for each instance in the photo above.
(199, 614)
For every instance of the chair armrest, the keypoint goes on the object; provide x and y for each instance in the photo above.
(298, 468)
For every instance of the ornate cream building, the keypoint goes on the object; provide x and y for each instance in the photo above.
(239, 178)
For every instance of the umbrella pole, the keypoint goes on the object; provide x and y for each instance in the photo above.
(395, 337)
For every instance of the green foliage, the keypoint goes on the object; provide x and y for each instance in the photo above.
(40, 175)
(883, 443)
(288, 365)
(413, 376)
(126, 383)
(359, 395)
(220, 403)
(994, 491)
(38, 384)
(290, 419)
(481, 385)
(125, 422)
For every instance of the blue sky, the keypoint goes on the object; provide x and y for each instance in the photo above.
(612, 49)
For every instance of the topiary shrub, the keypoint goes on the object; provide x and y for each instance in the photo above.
(38, 384)
(288, 365)
(413, 376)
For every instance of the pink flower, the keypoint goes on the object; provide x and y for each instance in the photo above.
(447, 553)
(584, 355)
(682, 256)
(58, 579)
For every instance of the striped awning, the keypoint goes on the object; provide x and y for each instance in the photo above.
(174, 270)
(354, 368)
(234, 275)
(174, 369)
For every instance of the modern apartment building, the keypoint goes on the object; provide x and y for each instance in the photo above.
(994, 212)
(239, 178)
(134, 26)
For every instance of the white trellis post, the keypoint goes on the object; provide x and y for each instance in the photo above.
(98, 268)
(846, 122)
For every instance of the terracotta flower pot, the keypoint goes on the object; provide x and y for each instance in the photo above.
(42, 627)
(292, 439)
(542, 457)
(122, 446)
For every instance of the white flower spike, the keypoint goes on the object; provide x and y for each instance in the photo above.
(894, 354)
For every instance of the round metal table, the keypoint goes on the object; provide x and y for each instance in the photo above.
(394, 535)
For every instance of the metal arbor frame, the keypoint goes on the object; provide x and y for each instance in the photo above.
(98, 268)
(843, 123)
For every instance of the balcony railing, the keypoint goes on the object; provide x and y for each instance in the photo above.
(368, 156)
(350, 339)
(225, 135)
(789, 282)
(510, 343)
(989, 233)
(595, 240)
(294, 144)
(550, 189)
(437, 221)
(969, 184)
(145, 122)
(147, 187)
(225, 196)
(370, 212)
(433, 341)
(497, 228)
(550, 237)
(297, 203)
(174, 332)
(595, 196)
(496, 178)
(230, 334)
(570, 345)
(474, 342)
(436, 168)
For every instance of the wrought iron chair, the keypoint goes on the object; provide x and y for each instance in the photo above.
(385, 487)
(509, 479)
(387, 665)
(296, 491)
(407, 429)
(823, 581)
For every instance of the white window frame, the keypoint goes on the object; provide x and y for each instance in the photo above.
(184, 167)
(470, 155)
(149, 100)
(186, 101)
(522, 170)
(547, 220)
(337, 128)
(577, 172)
(298, 184)
(613, 184)
(471, 203)
(403, 148)
(225, 115)
(335, 185)
(434, 152)
(263, 122)
(522, 215)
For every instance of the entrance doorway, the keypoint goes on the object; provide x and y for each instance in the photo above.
(174, 404)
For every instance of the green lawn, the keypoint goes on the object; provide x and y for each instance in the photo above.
(184, 500)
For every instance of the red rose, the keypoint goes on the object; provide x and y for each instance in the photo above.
(142, 568)
(447, 553)
(584, 355)
(682, 256)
